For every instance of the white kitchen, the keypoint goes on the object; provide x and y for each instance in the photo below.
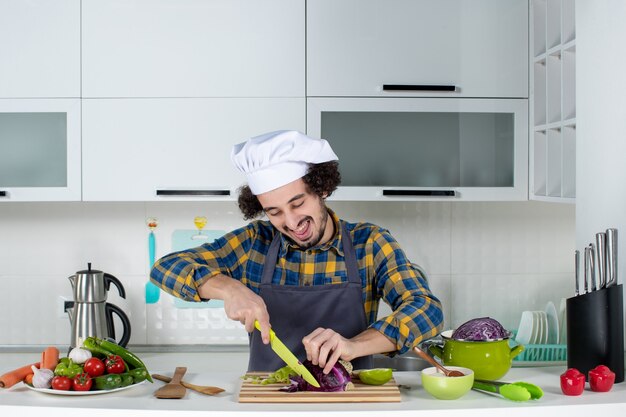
(485, 135)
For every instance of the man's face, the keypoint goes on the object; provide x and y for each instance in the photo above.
(298, 214)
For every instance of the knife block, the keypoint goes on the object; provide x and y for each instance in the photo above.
(595, 331)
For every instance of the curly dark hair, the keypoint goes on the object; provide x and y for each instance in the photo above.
(321, 179)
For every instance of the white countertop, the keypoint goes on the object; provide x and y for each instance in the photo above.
(224, 369)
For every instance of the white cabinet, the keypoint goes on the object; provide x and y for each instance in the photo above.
(40, 150)
(39, 48)
(407, 149)
(553, 101)
(173, 149)
(355, 47)
(193, 48)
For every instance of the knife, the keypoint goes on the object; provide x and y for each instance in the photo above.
(577, 269)
(290, 359)
(585, 271)
(601, 258)
(592, 267)
(611, 252)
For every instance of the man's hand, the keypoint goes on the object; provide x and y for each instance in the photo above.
(240, 303)
(324, 347)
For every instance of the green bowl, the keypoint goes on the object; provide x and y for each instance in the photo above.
(447, 387)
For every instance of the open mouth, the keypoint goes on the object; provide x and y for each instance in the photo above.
(303, 232)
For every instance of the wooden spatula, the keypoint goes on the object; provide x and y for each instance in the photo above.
(208, 390)
(173, 389)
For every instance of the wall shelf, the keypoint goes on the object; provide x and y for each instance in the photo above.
(553, 101)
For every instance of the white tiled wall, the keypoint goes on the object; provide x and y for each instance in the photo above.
(493, 259)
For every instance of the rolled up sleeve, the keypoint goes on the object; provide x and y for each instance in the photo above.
(417, 314)
(182, 273)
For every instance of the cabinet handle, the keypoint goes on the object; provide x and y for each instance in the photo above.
(192, 192)
(414, 87)
(3, 193)
(420, 193)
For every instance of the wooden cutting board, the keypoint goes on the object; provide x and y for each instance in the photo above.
(362, 393)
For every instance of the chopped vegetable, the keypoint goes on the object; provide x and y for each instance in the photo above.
(79, 355)
(480, 329)
(42, 378)
(376, 376)
(281, 376)
(338, 379)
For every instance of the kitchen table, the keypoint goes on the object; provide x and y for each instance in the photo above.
(224, 369)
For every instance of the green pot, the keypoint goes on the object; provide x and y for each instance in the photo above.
(489, 360)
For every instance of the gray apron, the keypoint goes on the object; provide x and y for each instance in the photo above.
(295, 311)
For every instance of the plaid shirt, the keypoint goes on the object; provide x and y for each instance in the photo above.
(384, 269)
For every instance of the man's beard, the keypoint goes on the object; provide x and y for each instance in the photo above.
(314, 241)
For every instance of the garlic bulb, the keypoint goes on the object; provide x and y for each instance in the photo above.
(41, 377)
(80, 356)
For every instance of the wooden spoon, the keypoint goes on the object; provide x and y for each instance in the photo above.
(173, 389)
(427, 357)
(199, 388)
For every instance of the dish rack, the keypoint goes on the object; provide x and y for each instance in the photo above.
(540, 353)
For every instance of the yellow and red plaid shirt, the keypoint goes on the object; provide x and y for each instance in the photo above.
(384, 269)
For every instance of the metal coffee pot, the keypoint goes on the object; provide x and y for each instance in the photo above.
(90, 314)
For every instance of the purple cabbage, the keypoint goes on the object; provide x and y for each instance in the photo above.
(480, 329)
(338, 379)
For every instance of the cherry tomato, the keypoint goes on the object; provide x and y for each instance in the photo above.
(601, 378)
(572, 382)
(61, 383)
(94, 367)
(115, 364)
(82, 382)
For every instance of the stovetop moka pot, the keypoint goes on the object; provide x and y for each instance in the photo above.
(90, 314)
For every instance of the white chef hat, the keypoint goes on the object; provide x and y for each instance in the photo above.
(277, 158)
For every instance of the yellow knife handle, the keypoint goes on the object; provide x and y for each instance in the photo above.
(258, 327)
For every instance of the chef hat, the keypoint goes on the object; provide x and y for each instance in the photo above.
(277, 158)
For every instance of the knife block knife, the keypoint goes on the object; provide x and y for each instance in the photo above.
(595, 331)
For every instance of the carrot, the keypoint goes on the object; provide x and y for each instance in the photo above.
(28, 379)
(50, 358)
(17, 375)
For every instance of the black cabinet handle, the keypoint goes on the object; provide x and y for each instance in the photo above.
(3, 193)
(192, 192)
(415, 87)
(420, 193)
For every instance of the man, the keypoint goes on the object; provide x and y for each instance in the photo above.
(315, 279)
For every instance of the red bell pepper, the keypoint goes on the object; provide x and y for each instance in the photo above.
(572, 382)
(601, 379)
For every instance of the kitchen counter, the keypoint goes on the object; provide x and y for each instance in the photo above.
(223, 369)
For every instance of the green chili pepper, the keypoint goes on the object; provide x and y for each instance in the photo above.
(130, 358)
(107, 382)
(92, 344)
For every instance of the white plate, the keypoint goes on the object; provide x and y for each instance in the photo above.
(553, 323)
(525, 328)
(79, 393)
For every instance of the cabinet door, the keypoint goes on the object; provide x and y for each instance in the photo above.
(426, 148)
(171, 149)
(39, 48)
(40, 150)
(193, 48)
(480, 47)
